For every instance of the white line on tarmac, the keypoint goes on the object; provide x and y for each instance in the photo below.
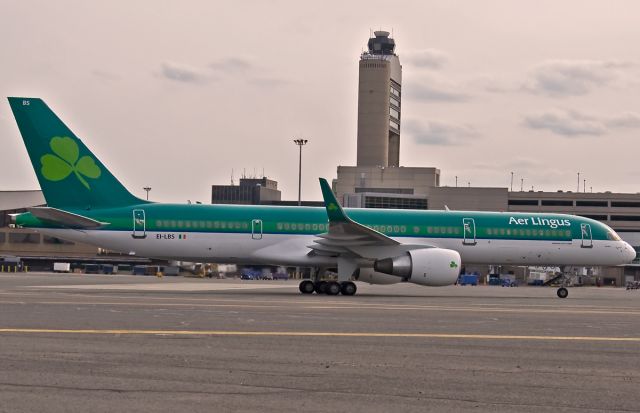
(315, 334)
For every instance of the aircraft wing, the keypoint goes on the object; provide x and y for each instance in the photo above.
(345, 236)
(65, 219)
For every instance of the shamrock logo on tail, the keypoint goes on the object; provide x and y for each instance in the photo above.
(453, 264)
(65, 161)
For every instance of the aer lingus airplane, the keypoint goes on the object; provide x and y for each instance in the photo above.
(86, 203)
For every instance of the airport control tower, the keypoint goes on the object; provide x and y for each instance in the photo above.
(379, 94)
(378, 180)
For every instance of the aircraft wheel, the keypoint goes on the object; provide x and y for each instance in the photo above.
(320, 287)
(306, 287)
(348, 288)
(562, 292)
(333, 288)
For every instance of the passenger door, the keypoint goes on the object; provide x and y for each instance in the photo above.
(469, 231)
(139, 224)
(587, 239)
(256, 229)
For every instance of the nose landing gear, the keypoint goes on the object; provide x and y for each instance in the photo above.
(564, 280)
(562, 292)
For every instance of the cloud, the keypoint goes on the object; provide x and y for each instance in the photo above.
(240, 68)
(432, 90)
(571, 123)
(562, 78)
(426, 58)
(439, 133)
(232, 65)
(183, 73)
(491, 84)
(626, 120)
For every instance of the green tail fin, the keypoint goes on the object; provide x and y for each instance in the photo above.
(69, 174)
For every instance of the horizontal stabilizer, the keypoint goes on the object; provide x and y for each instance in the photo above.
(64, 218)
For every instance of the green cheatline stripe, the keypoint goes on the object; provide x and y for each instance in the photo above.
(314, 334)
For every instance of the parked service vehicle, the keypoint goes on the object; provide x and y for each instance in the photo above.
(171, 270)
(91, 268)
(281, 276)
(122, 268)
(61, 267)
(468, 279)
(250, 274)
(108, 268)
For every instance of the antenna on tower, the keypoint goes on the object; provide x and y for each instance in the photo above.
(232, 177)
(263, 172)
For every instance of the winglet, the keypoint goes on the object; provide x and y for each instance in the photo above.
(334, 210)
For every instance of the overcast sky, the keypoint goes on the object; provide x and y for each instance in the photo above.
(177, 94)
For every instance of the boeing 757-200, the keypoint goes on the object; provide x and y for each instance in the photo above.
(86, 203)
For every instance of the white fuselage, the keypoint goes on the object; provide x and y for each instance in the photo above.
(281, 249)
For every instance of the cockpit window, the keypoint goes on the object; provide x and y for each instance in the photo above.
(612, 236)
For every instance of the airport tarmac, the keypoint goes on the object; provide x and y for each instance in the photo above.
(127, 343)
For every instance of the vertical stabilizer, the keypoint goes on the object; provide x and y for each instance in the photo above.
(70, 175)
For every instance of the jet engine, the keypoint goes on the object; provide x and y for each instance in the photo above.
(427, 266)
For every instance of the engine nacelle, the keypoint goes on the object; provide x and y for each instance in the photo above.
(428, 266)
(370, 276)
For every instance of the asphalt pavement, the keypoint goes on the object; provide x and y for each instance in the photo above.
(105, 343)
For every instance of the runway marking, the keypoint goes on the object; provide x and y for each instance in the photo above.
(346, 306)
(172, 287)
(308, 300)
(315, 334)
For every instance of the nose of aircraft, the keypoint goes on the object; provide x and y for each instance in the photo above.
(629, 252)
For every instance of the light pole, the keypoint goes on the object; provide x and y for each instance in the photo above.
(511, 187)
(147, 188)
(578, 181)
(300, 143)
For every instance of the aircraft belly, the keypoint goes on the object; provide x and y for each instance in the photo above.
(228, 248)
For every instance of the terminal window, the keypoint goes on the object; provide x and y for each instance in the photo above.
(593, 203)
(625, 204)
(523, 202)
(556, 202)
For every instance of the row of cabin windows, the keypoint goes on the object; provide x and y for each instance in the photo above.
(236, 225)
(397, 229)
(546, 233)
(288, 226)
(202, 224)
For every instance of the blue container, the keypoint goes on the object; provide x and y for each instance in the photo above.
(140, 270)
(469, 279)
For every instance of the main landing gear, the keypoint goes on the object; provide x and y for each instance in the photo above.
(328, 287)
